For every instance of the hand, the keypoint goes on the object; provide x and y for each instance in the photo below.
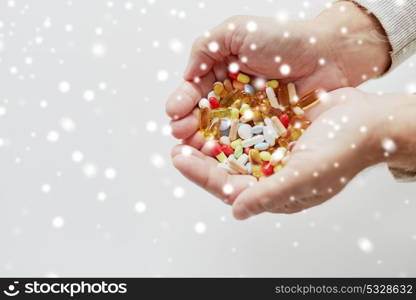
(343, 66)
(357, 131)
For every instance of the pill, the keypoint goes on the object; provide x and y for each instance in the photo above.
(291, 146)
(298, 111)
(204, 118)
(243, 78)
(278, 126)
(212, 94)
(248, 168)
(256, 171)
(225, 140)
(247, 116)
(249, 89)
(265, 155)
(233, 75)
(257, 129)
(267, 169)
(253, 141)
(228, 85)
(284, 118)
(309, 99)
(221, 157)
(270, 135)
(233, 163)
(295, 134)
(272, 97)
(293, 97)
(244, 131)
(227, 149)
(272, 83)
(242, 159)
(238, 85)
(218, 88)
(203, 103)
(261, 146)
(277, 168)
(234, 113)
(235, 143)
(233, 129)
(225, 124)
(283, 95)
(213, 101)
(277, 155)
(238, 151)
(219, 113)
(254, 157)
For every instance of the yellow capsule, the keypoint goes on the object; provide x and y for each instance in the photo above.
(256, 171)
(244, 108)
(235, 113)
(221, 157)
(218, 88)
(220, 113)
(254, 157)
(273, 83)
(295, 134)
(236, 143)
(204, 118)
(265, 155)
(243, 78)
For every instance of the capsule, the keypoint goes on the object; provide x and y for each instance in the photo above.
(272, 97)
(309, 99)
(283, 95)
(243, 78)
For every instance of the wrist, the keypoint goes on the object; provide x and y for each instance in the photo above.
(357, 42)
(398, 142)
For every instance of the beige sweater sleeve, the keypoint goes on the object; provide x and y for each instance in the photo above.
(398, 18)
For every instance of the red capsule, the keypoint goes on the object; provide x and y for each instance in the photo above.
(214, 102)
(227, 150)
(216, 149)
(284, 118)
(233, 75)
(267, 169)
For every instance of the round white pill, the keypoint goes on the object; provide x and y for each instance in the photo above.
(225, 124)
(225, 140)
(244, 131)
(203, 103)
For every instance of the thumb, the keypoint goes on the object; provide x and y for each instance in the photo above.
(271, 193)
(211, 48)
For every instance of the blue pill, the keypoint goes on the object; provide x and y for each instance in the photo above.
(261, 146)
(249, 89)
(257, 129)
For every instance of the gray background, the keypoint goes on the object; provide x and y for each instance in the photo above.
(66, 217)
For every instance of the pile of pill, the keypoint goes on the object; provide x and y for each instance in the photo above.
(253, 128)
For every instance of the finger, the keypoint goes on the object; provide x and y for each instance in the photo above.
(204, 171)
(327, 100)
(207, 51)
(182, 101)
(184, 128)
(273, 193)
